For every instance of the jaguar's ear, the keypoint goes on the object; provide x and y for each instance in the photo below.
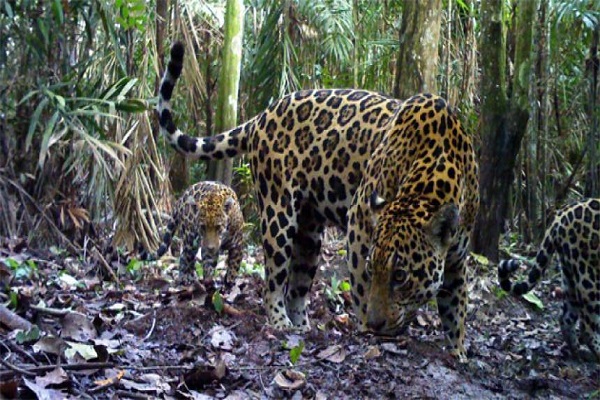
(376, 202)
(228, 204)
(443, 225)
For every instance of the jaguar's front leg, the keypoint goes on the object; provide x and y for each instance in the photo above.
(303, 267)
(452, 302)
(276, 279)
(187, 258)
(358, 242)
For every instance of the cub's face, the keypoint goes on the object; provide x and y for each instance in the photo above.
(214, 222)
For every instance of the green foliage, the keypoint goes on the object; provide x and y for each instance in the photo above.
(499, 293)
(133, 267)
(534, 300)
(69, 280)
(75, 106)
(132, 14)
(586, 12)
(251, 269)
(13, 299)
(217, 301)
(22, 270)
(334, 291)
(199, 268)
(28, 336)
(481, 259)
(593, 395)
(295, 352)
(244, 187)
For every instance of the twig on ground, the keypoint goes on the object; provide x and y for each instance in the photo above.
(12, 320)
(13, 347)
(86, 366)
(14, 368)
(132, 395)
(46, 368)
(57, 312)
(152, 327)
(96, 254)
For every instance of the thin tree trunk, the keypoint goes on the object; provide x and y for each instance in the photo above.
(544, 128)
(179, 173)
(503, 123)
(418, 55)
(494, 105)
(229, 83)
(592, 181)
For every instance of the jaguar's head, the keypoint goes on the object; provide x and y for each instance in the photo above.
(213, 225)
(406, 262)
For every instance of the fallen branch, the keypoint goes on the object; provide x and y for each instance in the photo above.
(82, 367)
(57, 312)
(15, 369)
(10, 346)
(46, 368)
(12, 320)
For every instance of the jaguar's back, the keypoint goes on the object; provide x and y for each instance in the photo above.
(575, 235)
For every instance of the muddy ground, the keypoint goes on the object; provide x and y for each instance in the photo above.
(145, 337)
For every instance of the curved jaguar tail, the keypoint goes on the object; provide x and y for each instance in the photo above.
(225, 145)
(507, 267)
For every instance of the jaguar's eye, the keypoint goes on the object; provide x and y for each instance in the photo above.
(399, 276)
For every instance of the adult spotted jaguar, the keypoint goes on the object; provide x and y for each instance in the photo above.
(575, 235)
(207, 216)
(399, 177)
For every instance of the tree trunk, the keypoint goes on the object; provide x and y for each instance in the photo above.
(503, 123)
(229, 83)
(592, 181)
(162, 13)
(494, 105)
(418, 56)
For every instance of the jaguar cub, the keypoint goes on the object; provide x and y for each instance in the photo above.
(575, 235)
(207, 216)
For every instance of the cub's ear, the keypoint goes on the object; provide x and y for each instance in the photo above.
(443, 225)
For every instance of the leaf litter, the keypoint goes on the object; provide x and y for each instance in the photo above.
(146, 337)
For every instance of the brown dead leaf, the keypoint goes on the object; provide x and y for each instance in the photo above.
(42, 393)
(335, 354)
(111, 380)
(342, 319)
(50, 345)
(77, 327)
(290, 379)
(230, 310)
(56, 377)
(372, 352)
(395, 348)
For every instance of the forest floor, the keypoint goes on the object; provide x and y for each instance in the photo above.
(145, 337)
